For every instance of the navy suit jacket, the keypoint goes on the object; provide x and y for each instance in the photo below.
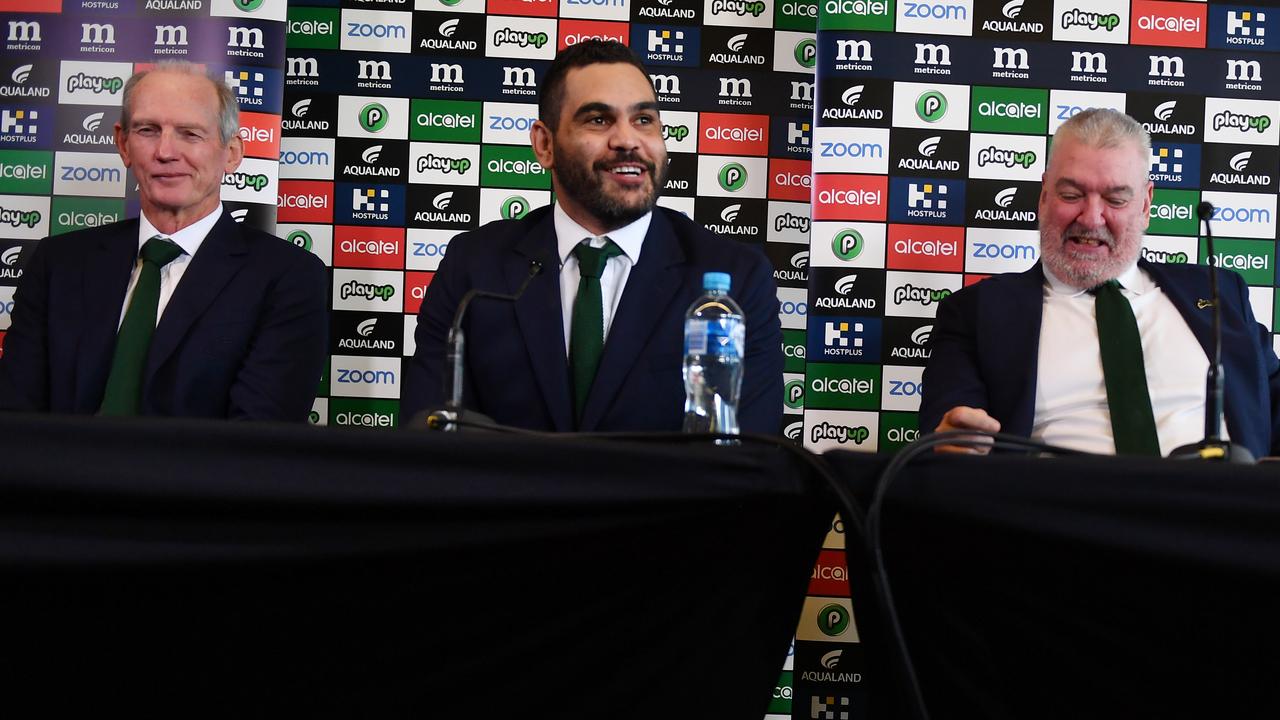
(516, 368)
(986, 339)
(244, 335)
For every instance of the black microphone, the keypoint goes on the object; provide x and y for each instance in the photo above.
(1213, 447)
(455, 358)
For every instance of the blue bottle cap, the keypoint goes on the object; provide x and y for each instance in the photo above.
(716, 281)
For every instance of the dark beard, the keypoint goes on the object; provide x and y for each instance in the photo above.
(579, 182)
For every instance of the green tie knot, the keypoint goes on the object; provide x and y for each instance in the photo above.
(591, 261)
(160, 251)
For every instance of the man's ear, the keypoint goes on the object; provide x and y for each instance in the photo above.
(235, 153)
(540, 137)
(121, 147)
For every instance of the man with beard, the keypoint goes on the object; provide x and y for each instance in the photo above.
(596, 341)
(1025, 353)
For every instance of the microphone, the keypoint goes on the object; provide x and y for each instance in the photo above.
(1213, 447)
(446, 420)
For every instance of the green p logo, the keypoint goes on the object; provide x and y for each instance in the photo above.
(847, 244)
(248, 5)
(931, 106)
(733, 177)
(806, 52)
(373, 117)
(514, 208)
(301, 238)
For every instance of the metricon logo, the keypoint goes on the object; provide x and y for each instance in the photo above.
(373, 117)
(931, 106)
(732, 177)
(847, 244)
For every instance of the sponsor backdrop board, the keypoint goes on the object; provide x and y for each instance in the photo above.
(930, 134)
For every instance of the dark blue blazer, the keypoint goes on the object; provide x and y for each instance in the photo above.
(244, 335)
(985, 345)
(516, 369)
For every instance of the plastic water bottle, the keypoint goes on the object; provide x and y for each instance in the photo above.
(714, 346)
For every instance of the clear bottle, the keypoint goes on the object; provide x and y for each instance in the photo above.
(714, 347)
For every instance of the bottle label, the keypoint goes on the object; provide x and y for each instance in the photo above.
(695, 337)
(726, 336)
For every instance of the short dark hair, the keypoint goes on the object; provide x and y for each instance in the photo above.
(587, 52)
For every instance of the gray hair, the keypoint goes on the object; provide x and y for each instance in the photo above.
(1103, 128)
(228, 110)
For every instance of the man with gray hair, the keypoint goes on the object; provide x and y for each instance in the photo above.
(1095, 348)
(182, 311)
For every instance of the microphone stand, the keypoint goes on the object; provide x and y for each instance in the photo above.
(447, 419)
(1213, 447)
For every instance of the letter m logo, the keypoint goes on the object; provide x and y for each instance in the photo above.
(1244, 70)
(96, 33)
(244, 37)
(24, 31)
(171, 35)
(859, 50)
(666, 84)
(1011, 58)
(517, 77)
(1166, 66)
(303, 67)
(445, 73)
(930, 54)
(1090, 62)
(735, 87)
(374, 70)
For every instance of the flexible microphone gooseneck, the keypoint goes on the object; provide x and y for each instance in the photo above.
(455, 358)
(1213, 447)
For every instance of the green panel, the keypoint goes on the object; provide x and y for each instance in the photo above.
(795, 15)
(512, 166)
(856, 15)
(349, 412)
(74, 213)
(445, 121)
(793, 351)
(831, 386)
(27, 172)
(1255, 260)
(898, 429)
(781, 702)
(1009, 110)
(312, 28)
(1173, 212)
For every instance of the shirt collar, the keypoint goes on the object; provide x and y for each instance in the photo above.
(188, 238)
(629, 238)
(1133, 280)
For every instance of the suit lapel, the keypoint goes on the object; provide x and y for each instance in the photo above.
(653, 284)
(107, 269)
(540, 317)
(1017, 324)
(222, 254)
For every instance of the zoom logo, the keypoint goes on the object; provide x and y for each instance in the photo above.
(369, 377)
(366, 377)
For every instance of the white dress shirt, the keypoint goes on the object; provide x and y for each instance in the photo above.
(188, 238)
(613, 280)
(1071, 394)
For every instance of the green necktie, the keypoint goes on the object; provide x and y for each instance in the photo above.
(1132, 421)
(124, 385)
(586, 332)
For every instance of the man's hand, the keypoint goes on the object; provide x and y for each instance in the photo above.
(967, 418)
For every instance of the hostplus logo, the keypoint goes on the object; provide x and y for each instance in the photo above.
(927, 200)
(247, 86)
(1246, 27)
(19, 125)
(370, 204)
(843, 338)
(1175, 165)
(665, 45)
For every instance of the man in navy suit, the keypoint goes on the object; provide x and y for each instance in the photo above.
(1019, 353)
(600, 135)
(236, 325)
